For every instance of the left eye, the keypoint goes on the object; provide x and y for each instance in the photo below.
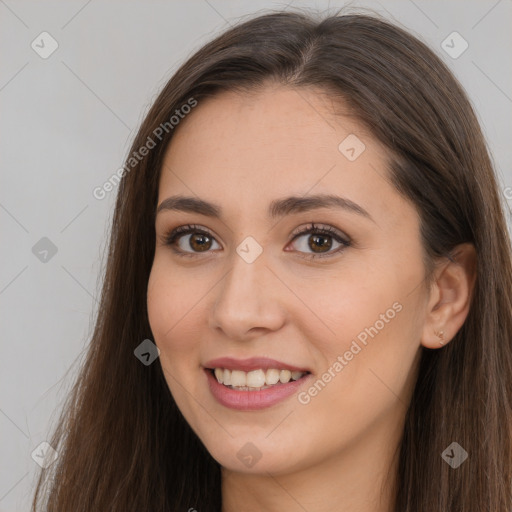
(200, 240)
(321, 238)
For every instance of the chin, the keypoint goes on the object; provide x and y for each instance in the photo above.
(253, 454)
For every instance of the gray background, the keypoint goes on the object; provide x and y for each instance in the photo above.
(67, 123)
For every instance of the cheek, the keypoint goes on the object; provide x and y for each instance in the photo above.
(342, 305)
(170, 317)
(367, 370)
(368, 317)
(170, 310)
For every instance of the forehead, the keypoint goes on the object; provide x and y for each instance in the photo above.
(293, 121)
(245, 149)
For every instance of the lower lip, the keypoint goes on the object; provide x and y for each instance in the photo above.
(252, 400)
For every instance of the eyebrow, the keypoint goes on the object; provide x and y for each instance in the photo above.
(277, 208)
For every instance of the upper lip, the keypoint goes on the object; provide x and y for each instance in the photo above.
(252, 363)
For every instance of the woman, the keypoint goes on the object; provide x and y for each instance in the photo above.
(310, 263)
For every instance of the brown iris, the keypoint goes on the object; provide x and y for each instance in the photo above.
(197, 244)
(317, 238)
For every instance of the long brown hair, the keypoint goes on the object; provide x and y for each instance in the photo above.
(124, 445)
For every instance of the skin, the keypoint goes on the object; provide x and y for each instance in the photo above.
(240, 152)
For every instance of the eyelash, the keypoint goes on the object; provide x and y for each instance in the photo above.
(172, 236)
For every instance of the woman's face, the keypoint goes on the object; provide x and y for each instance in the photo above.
(244, 287)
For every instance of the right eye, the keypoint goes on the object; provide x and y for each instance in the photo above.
(200, 239)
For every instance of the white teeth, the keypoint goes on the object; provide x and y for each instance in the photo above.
(255, 379)
(272, 376)
(238, 378)
(285, 376)
(219, 373)
(296, 375)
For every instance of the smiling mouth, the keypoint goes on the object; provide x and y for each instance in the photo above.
(255, 380)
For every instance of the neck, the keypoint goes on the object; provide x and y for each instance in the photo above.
(360, 478)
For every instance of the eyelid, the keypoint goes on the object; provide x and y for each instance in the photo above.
(344, 240)
(315, 226)
(171, 236)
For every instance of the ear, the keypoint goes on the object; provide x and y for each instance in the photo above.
(450, 297)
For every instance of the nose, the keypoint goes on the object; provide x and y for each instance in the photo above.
(247, 303)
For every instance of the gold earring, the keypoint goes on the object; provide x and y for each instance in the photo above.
(440, 335)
